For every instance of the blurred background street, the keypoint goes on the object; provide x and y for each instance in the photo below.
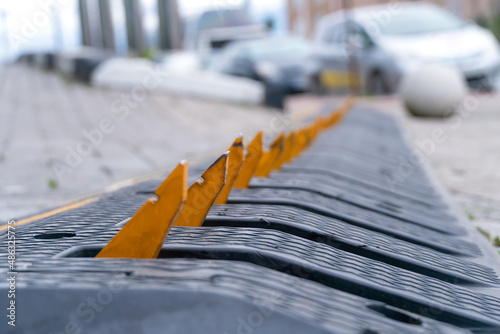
(95, 93)
(46, 126)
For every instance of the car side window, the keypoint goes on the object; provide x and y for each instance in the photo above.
(358, 37)
(233, 53)
(335, 35)
(241, 58)
(225, 61)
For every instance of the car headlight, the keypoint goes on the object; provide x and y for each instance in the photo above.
(491, 52)
(267, 70)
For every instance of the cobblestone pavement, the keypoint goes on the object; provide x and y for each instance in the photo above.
(463, 150)
(60, 140)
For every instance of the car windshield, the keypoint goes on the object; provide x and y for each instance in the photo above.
(280, 49)
(223, 19)
(421, 20)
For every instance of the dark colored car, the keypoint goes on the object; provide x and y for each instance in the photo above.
(279, 62)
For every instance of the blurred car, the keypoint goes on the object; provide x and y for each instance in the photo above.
(212, 41)
(216, 28)
(356, 48)
(279, 62)
(214, 19)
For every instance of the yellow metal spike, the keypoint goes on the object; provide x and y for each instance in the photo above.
(318, 124)
(351, 100)
(314, 132)
(345, 107)
(335, 117)
(300, 142)
(270, 157)
(308, 135)
(334, 111)
(236, 159)
(287, 147)
(323, 123)
(329, 121)
(320, 127)
(143, 235)
(293, 143)
(254, 153)
(202, 194)
(348, 104)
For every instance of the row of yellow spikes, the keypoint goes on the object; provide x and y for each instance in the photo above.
(144, 234)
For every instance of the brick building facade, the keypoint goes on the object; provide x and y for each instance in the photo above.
(303, 14)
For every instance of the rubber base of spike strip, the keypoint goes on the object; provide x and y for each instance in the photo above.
(308, 250)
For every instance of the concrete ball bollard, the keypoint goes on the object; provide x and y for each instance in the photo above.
(433, 91)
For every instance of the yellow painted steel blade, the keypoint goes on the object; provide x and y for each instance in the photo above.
(289, 155)
(285, 156)
(331, 116)
(259, 171)
(143, 235)
(300, 141)
(347, 105)
(350, 102)
(270, 157)
(254, 153)
(308, 136)
(321, 122)
(334, 118)
(313, 133)
(236, 159)
(202, 194)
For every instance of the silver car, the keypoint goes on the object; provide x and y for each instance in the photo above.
(371, 48)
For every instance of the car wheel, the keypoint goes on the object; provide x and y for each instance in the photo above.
(376, 85)
(317, 86)
(486, 84)
(274, 95)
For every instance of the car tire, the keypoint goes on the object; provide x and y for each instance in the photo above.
(485, 84)
(376, 85)
(317, 86)
(275, 95)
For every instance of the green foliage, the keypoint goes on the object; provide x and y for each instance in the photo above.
(483, 232)
(52, 184)
(147, 53)
(470, 215)
(496, 242)
(492, 24)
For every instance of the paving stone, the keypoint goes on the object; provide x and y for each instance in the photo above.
(43, 117)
